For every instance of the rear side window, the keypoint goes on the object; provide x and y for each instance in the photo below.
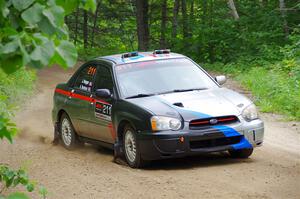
(85, 78)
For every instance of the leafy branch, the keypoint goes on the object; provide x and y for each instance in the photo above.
(32, 33)
(12, 178)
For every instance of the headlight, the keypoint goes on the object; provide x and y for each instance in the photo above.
(161, 123)
(250, 113)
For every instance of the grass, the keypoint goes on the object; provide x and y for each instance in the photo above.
(275, 90)
(14, 89)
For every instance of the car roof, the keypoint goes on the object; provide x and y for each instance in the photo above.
(142, 56)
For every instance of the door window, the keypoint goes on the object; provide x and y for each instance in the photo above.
(84, 80)
(104, 79)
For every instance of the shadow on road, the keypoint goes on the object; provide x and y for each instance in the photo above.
(205, 160)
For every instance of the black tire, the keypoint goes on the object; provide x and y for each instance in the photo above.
(137, 162)
(241, 153)
(72, 141)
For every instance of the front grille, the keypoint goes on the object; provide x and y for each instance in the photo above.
(200, 123)
(196, 144)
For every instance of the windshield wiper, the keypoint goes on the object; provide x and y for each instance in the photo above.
(139, 95)
(186, 90)
(183, 90)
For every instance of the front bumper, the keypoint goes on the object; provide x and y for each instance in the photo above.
(171, 144)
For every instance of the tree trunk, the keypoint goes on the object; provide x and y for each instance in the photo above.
(175, 18)
(211, 47)
(191, 18)
(142, 24)
(232, 7)
(163, 24)
(76, 25)
(263, 3)
(283, 16)
(204, 13)
(192, 10)
(85, 29)
(185, 30)
(95, 23)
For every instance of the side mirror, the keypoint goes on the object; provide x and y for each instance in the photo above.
(220, 79)
(103, 93)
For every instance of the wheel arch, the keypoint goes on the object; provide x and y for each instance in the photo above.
(60, 113)
(122, 124)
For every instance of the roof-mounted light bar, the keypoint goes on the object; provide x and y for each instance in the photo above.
(164, 51)
(130, 54)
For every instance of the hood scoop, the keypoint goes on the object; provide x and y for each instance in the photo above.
(179, 104)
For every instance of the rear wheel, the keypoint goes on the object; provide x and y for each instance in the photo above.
(67, 132)
(241, 153)
(131, 149)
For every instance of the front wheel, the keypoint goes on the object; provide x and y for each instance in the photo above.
(241, 153)
(131, 149)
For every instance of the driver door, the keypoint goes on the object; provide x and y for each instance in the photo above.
(100, 115)
(78, 103)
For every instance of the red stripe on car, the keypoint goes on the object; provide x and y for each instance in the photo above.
(78, 96)
(112, 130)
(63, 92)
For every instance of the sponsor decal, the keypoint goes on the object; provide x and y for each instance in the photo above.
(103, 111)
(91, 70)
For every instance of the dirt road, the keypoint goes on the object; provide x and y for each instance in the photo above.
(272, 172)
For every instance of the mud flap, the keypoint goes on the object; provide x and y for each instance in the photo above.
(56, 134)
(118, 150)
(119, 154)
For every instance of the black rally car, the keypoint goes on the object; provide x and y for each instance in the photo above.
(153, 105)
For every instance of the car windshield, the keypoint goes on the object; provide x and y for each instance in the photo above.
(147, 78)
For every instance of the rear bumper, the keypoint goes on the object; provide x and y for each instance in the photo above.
(172, 144)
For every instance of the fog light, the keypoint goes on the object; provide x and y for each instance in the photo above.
(181, 139)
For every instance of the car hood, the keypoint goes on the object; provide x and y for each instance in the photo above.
(195, 104)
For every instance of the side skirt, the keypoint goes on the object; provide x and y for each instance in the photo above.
(96, 142)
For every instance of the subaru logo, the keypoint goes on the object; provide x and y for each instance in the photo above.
(213, 121)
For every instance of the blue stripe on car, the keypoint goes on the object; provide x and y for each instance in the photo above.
(229, 132)
(226, 130)
(195, 113)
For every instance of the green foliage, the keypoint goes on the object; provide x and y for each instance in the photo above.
(14, 88)
(33, 33)
(111, 31)
(10, 178)
(7, 129)
(274, 91)
(17, 195)
(70, 5)
(274, 84)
